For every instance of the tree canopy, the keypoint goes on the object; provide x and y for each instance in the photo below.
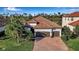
(16, 30)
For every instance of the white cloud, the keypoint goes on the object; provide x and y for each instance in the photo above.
(77, 9)
(70, 10)
(12, 9)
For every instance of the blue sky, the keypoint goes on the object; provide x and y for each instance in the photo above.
(36, 10)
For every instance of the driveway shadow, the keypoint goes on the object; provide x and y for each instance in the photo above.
(38, 38)
(40, 35)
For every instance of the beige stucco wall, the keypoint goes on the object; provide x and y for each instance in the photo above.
(32, 24)
(66, 20)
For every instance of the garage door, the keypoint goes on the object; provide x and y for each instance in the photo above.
(42, 34)
(56, 33)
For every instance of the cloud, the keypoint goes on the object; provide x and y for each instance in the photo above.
(77, 9)
(70, 10)
(12, 9)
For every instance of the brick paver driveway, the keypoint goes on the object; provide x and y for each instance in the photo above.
(49, 44)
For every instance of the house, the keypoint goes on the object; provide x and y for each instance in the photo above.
(70, 20)
(2, 24)
(44, 27)
(75, 23)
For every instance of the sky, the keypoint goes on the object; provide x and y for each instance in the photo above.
(36, 10)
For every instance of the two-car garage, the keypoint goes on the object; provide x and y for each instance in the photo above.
(47, 32)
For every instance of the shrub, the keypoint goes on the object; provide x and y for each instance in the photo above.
(73, 35)
(66, 33)
(76, 30)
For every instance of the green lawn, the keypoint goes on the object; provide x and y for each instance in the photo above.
(73, 44)
(11, 45)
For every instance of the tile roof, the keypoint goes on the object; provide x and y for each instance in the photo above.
(74, 14)
(75, 23)
(44, 23)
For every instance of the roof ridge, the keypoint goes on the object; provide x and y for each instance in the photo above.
(45, 23)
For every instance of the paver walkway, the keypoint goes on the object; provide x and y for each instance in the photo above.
(49, 44)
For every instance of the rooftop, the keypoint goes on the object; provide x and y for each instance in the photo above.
(75, 23)
(74, 14)
(44, 23)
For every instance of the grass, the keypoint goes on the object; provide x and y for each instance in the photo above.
(73, 44)
(12, 45)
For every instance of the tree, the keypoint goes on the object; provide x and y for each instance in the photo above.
(77, 30)
(53, 17)
(15, 29)
(25, 14)
(30, 16)
(66, 32)
(73, 35)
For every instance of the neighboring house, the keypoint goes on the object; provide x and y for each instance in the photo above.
(70, 20)
(44, 27)
(2, 24)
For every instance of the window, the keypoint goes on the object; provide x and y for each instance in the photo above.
(72, 19)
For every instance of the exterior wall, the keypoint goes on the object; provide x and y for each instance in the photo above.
(42, 30)
(32, 24)
(67, 20)
(75, 18)
(1, 29)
